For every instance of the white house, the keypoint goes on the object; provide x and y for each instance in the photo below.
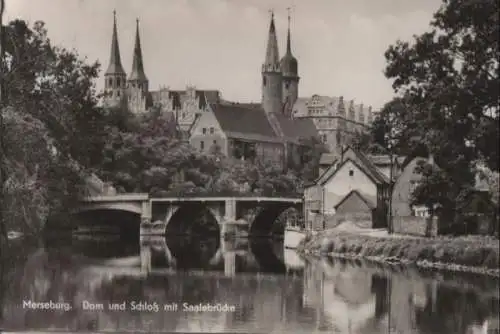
(354, 172)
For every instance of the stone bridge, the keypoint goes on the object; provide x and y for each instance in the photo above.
(256, 213)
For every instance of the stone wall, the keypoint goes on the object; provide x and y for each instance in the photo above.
(362, 220)
(413, 225)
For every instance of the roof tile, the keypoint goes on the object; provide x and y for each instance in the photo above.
(243, 122)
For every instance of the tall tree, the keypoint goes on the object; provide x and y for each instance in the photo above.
(55, 129)
(448, 80)
(56, 86)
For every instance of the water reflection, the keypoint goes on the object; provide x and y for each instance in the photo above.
(272, 290)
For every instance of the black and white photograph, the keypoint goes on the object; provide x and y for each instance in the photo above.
(249, 166)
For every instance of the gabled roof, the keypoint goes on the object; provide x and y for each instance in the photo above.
(377, 178)
(294, 129)
(367, 164)
(326, 175)
(369, 202)
(244, 123)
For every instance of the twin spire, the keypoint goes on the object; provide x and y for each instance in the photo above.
(137, 64)
(115, 63)
(288, 63)
(272, 53)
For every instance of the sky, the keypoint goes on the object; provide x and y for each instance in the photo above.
(220, 44)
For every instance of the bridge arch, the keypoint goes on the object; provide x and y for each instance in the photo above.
(189, 217)
(264, 221)
(267, 256)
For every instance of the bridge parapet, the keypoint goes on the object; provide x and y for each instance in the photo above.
(137, 197)
(225, 199)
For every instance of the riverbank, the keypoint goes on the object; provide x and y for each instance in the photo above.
(475, 254)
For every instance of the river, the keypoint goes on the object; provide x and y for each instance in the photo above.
(205, 285)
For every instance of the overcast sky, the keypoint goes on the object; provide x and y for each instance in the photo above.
(220, 44)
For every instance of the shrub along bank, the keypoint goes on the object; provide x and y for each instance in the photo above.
(471, 253)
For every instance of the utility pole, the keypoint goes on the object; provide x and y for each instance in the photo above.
(391, 167)
(3, 176)
(391, 176)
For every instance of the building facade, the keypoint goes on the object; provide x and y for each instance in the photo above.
(292, 119)
(237, 131)
(353, 185)
(336, 119)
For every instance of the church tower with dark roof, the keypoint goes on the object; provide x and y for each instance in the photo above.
(138, 83)
(289, 70)
(272, 90)
(115, 78)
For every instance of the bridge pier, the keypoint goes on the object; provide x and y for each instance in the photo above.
(228, 221)
(229, 264)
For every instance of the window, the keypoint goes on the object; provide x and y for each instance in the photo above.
(202, 145)
(212, 130)
(118, 93)
(351, 172)
(204, 131)
(264, 81)
(215, 142)
(413, 186)
(110, 82)
(324, 138)
(118, 82)
(287, 84)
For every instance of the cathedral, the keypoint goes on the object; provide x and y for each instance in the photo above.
(271, 129)
(134, 91)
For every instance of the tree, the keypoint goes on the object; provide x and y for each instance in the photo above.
(309, 153)
(49, 105)
(448, 81)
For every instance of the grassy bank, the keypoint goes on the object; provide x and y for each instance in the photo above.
(469, 254)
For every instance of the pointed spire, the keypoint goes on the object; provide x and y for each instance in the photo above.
(288, 43)
(137, 72)
(115, 62)
(272, 53)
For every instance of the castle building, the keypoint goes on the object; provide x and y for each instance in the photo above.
(196, 112)
(268, 130)
(336, 119)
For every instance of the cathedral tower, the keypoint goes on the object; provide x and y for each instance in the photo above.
(272, 90)
(289, 70)
(115, 76)
(137, 81)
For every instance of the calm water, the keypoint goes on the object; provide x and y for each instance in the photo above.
(252, 286)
